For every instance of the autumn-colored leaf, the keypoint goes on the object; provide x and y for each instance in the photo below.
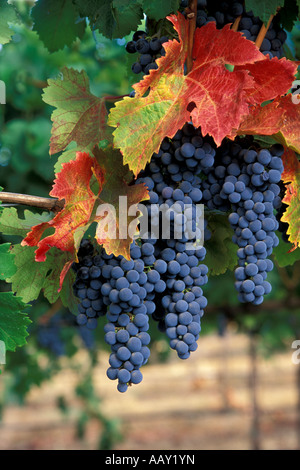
(273, 78)
(72, 185)
(118, 192)
(88, 185)
(291, 178)
(280, 118)
(79, 115)
(262, 120)
(289, 131)
(210, 95)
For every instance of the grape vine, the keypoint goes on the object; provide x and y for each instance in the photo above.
(186, 143)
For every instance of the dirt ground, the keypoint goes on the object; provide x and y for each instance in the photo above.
(202, 403)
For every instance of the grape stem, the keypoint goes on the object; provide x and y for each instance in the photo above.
(263, 31)
(49, 204)
(191, 14)
(235, 25)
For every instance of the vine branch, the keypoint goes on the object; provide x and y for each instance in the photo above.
(191, 14)
(47, 203)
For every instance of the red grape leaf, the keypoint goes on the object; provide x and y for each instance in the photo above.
(273, 78)
(280, 118)
(85, 185)
(212, 96)
(291, 178)
(262, 120)
(121, 195)
(72, 185)
(79, 115)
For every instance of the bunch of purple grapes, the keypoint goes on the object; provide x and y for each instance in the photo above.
(149, 49)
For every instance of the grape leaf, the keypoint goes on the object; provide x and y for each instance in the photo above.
(56, 23)
(117, 185)
(204, 95)
(158, 9)
(58, 262)
(280, 118)
(32, 278)
(8, 15)
(82, 185)
(80, 116)
(12, 224)
(266, 75)
(220, 250)
(263, 9)
(289, 14)
(113, 18)
(13, 322)
(69, 155)
(284, 254)
(29, 278)
(73, 185)
(7, 266)
(262, 120)
(67, 295)
(289, 129)
(291, 178)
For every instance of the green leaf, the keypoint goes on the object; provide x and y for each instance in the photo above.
(113, 18)
(79, 116)
(11, 224)
(55, 262)
(30, 276)
(13, 322)
(263, 9)
(56, 23)
(282, 256)
(8, 15)
(220, 250)
(7, 265)
(67, 293)
(158, 9)
(289, 14)
(127, 16)
(264, 140)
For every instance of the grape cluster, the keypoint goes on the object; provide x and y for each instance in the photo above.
(149, 49)
(164, 277)
(174, 182)
(245, 182)
(125, 292)
(88, 283)
(166, 272)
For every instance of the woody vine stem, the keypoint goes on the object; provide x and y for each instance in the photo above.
(47, 203)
